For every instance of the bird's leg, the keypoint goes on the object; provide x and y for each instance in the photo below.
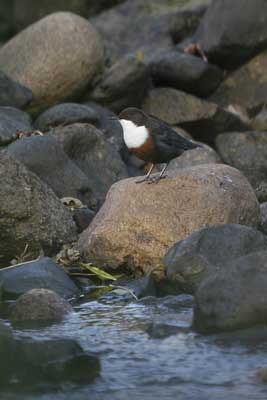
(157, 178)
(147, 177)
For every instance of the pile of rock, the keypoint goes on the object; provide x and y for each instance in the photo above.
(194, 67)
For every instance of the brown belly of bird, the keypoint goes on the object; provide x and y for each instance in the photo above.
(146, 151)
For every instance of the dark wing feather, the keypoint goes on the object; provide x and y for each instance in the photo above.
(164, 134)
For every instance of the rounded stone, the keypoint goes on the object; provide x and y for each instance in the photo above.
(138, 224)
(58, 57)
(40, 305)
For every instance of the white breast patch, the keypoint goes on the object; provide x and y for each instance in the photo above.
(133, 135)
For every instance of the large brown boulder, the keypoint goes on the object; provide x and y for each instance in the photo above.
(139, 223)
(55, 58)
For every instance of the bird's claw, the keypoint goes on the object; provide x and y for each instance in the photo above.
(156, 179)
(151, 179)
(145, 179)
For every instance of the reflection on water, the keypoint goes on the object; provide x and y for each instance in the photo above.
(137, 365)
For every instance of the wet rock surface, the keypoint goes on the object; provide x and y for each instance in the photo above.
(139, 223)
(152, 26)
(74, 48)
(83, 217)
(13, 121)
(39, 274)
(252, 94)
(73, 79)
(123, 85)
(208, 251)
(235, 297)
(31, 214)
(31, 365)
(65, 114)
(203, 119)
(39, 305)
(232, 32)
(246, 151)
(185, 72)
(94, 156)
(44, 156)
(13, 94)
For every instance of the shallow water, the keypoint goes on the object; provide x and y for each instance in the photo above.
(136, 365)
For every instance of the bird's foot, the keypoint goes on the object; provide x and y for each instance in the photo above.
(145, 179)
(156, 179)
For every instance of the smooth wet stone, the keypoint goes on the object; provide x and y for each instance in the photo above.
(231, 32)
(185, 72)
(243, 88)
(138, 223)
(111, 128)
(235, 297)
(44, 364)
(32, 217)
(83, 217)
(158, 330)
(65, 114)
(152, 25)
(12, 94)
(61, 39)
(44, 156)
(124, 84)
(246, 151)
(203, 119)
(13, 121)
(207, 251)
(94, 156)
(39, 305)
(141, 287)
(39, 274)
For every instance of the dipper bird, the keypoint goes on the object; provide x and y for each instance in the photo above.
(151, 140)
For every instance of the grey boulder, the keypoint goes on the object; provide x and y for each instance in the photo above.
(43, 365)
(122, 85)
(246, 151)
(233, 31)
(13, 94)
(203, 119)
(207, 251)
(44, 156)
(91, 153)
(31, 214)
(39, 305)
(39, 274)
(235, 297)
(65, 114)
(13, 121)
(185, 72)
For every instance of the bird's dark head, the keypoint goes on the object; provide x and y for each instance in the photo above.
(138, 117)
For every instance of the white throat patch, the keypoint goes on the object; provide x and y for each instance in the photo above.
(133, 135)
